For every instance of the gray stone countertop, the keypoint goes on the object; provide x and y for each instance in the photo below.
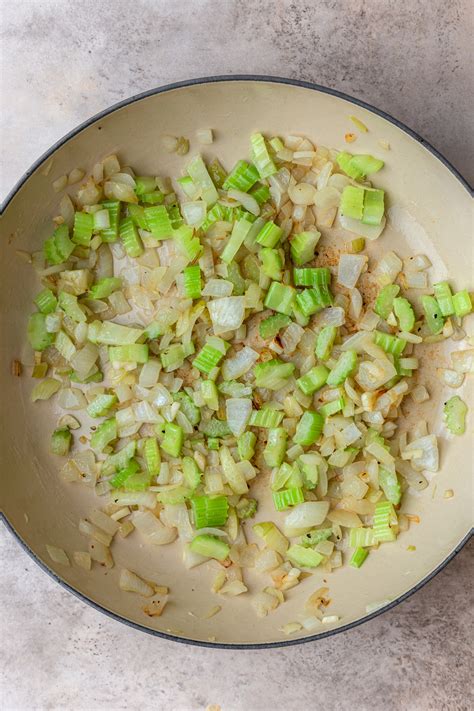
(63, 61)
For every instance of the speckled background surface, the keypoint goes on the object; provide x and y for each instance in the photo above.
(63, 61)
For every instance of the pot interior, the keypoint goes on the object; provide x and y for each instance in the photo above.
(431, 216)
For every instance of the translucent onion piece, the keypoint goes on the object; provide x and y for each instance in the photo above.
(349, 269)
(227, 314)
(368, 231)
(237, 413)
(152, 529)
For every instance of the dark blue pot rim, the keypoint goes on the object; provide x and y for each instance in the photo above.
(74, 132)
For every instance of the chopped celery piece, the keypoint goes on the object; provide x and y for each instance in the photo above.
(388, 343)
(68, 303)
(216, 428)
(246, 508)
(390, 485)
(236, 239)
(104, 434)
(198, 172)
(111, 233)
(210, 511)
(358, 557)
(188, 186)
(361, 537)
(373, 207)
(444, 298)
(261, 157)
(455, 411)
(114, 334)
(159, 223)
(144, 184)
(309, 428)
(208, 357)
(189, 245)
(246, 445)
(313, 300)
(317, 535)
(173, 440)
(381, 526)
(358, 166)
(191, 473)
(217, 173)
(288, 497)
(58, 248)
(153, 198)
(83, 227)
(266, 417)
(281, 477)
(234, 275)
(188, 408)
(358, 245)
(151, 455)
(384, 301)
(269, 327)
(213, 443)
(275, 450)
(280, 298)
(172, 357)
(344, 367)
(330, 408)
(119, 460)
(104, 287)
(260, 193)
(64, 345)
(273, 537)
(210, 394)
(303, 557)
(302, 247)
(462, 303)
(174, 496)
(325, 342)
(61, 442)
(272, 374)
(132, 353)
(433, 316)
(312, 276)
(46, 301)
(272, 263)
(313, 380)
(100, 405)
(404, 312)
(192, 282)
(124, 473)
(352, 202)
(242, 177)
(130, 239)
(210, 547)
(139, 481)
(269, 235)
(38, 336)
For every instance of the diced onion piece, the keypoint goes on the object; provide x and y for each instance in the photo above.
(227, 314)
(130, 582)
(368, 231)
(302, 194)
(246, 200)
(349, 269)
(238, 412)
(58, 555)
(388, 269)
(426, 453)
(152, 528)
(304, 516)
